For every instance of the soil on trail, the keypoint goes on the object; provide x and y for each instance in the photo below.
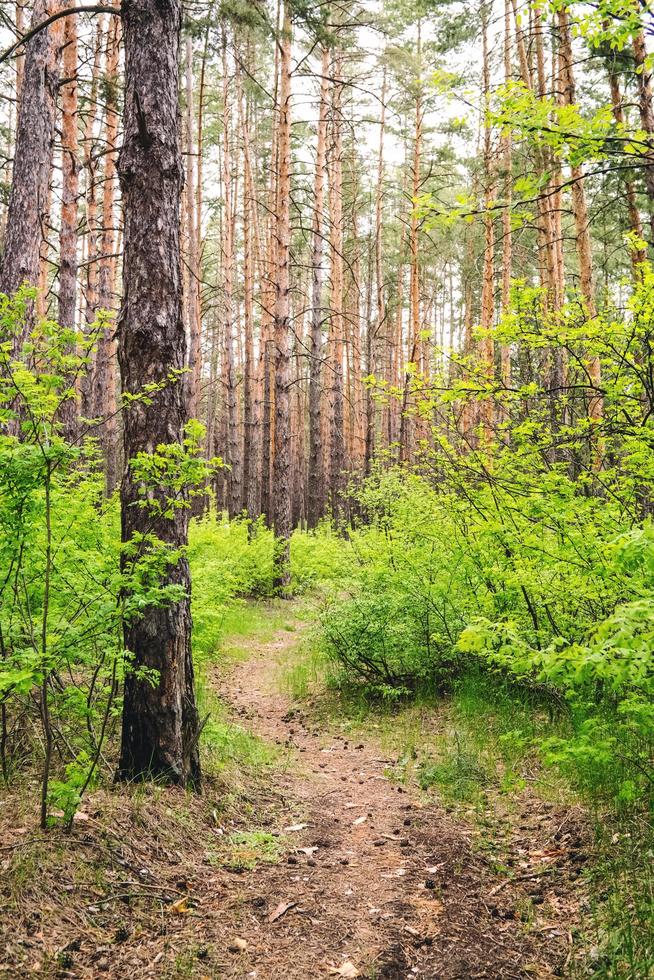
(381, 884)
(366, 878)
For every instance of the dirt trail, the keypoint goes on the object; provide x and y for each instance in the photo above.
(379, 884)
(369, 879)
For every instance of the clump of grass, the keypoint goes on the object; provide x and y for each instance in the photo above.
(245, 849)
(459, 774)
(303, 671)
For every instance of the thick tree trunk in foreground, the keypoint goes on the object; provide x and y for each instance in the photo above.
(160, 723)
(35, 132)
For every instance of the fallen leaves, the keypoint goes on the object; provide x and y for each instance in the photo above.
(295, 828)
(346, 969)
(281, 910)
(180, 907)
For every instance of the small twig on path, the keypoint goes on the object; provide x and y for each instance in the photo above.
(512, 881)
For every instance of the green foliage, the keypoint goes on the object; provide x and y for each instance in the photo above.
(230, 561)
(67, 584)
(530, 552)
(318, 558)
(248, 848)
(179, 468)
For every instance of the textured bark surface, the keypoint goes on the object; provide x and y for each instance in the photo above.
(35, 132)
(281, 482)
(192, 222)
(646, 110)
(232, 449)
(105, 374)
(581, 219)
(315, 483)
(160, 724)
(70, 186)
(70, 177)
(337, 320)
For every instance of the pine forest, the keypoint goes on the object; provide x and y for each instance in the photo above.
(327, 489)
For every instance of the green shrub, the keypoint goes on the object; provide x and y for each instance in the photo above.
(318, 558)
(230, 561)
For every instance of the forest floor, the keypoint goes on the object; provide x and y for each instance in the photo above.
(324, 866)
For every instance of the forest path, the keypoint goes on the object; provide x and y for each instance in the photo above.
(374, 881)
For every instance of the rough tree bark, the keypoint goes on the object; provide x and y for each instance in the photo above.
(337, 317)
(281, 503)
(160, 723)
(104, 382)
(233, 449)
(193, 265)
(316, 479)
(70, 177)
(70, 187)
(35, 133)
(581, 219)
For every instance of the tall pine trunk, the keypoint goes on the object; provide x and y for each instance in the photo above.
(581, 220)
(70, 186)
(70, 178)
(316, 484)
(281, 503)
(160, 722)
(104, 382)
(29, 197)
(337, 312)
(192, 240)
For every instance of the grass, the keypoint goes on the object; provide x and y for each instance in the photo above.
(303, 671)
(242, 622)
(245, 849)
(229, 749)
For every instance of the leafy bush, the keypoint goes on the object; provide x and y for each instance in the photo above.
(318, 558)
(520, 539)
